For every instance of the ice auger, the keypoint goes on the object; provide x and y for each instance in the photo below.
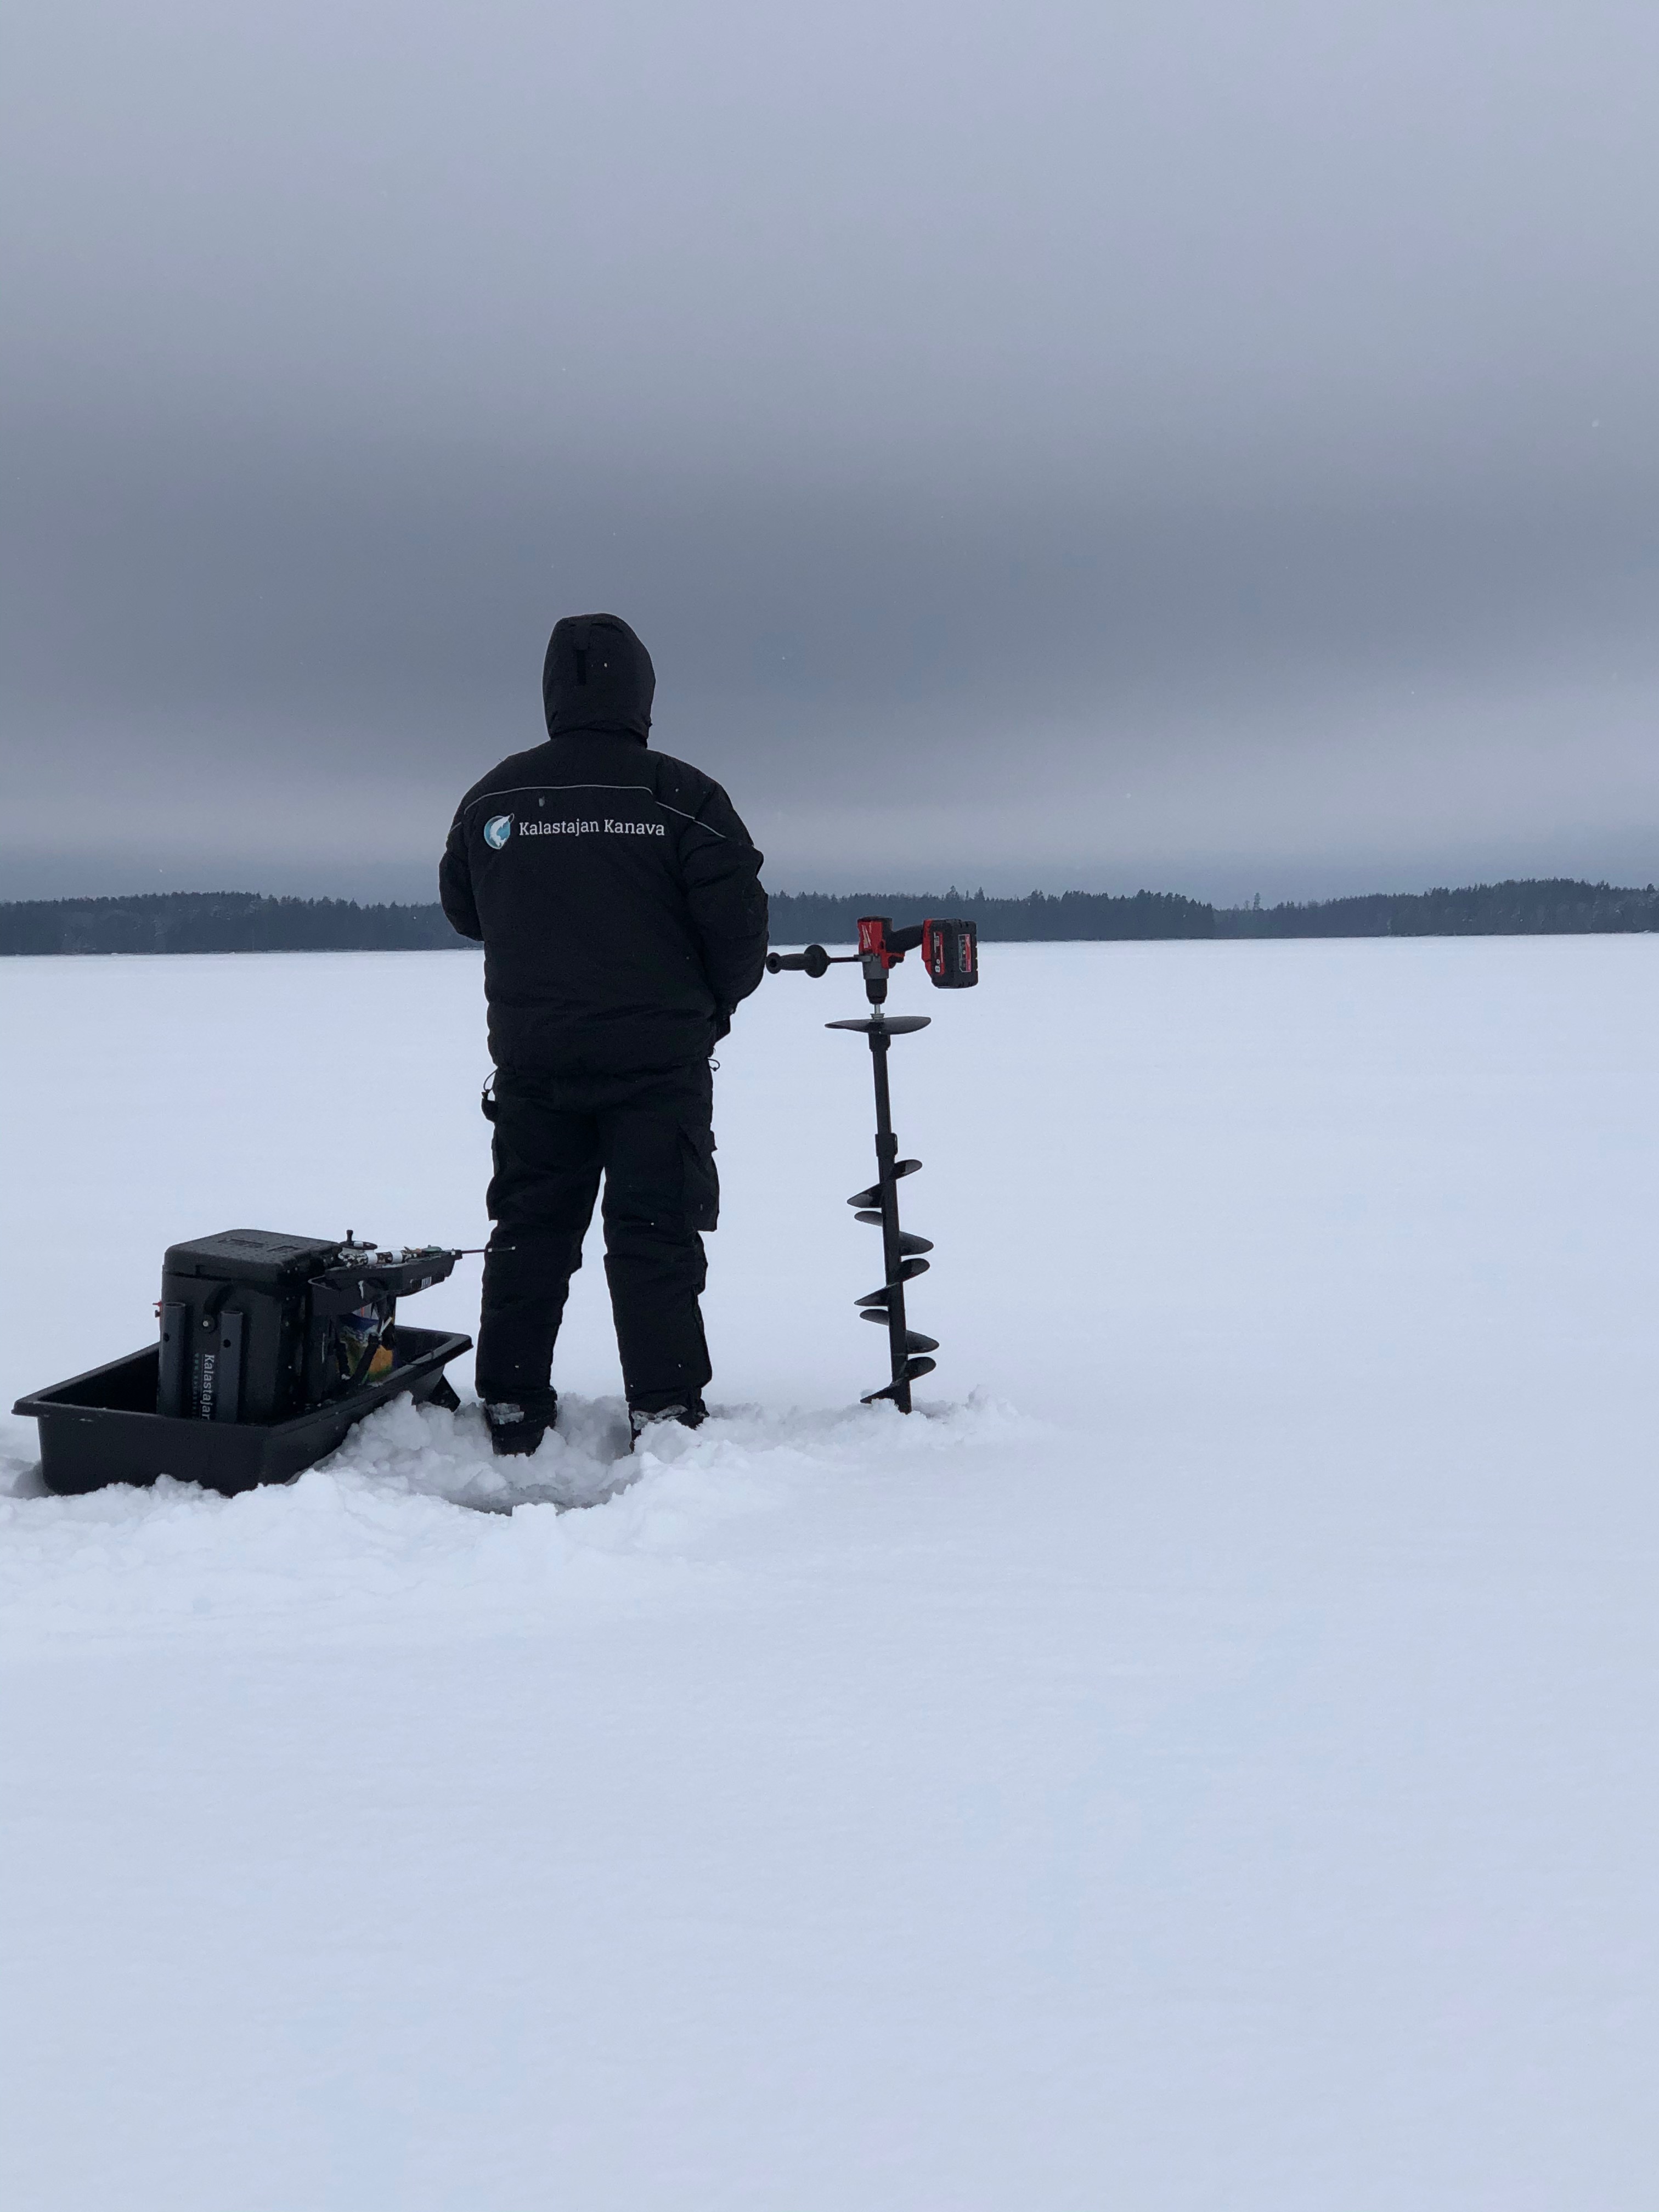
(950, 953)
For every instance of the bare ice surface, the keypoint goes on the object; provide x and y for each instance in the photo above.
(1205, 1759)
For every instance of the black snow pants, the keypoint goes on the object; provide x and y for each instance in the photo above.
(652, 1137)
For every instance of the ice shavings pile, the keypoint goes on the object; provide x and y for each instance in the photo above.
(413, 1512)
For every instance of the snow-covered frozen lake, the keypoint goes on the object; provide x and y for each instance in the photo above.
(1207, 1762)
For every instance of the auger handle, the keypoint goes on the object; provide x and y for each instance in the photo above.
(815, 960)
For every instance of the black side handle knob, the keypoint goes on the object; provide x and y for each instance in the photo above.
(815, 961)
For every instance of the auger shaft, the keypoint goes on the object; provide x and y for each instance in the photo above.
(900, 1251)
(887, 1183)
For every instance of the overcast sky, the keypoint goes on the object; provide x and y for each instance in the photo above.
(1209, 444)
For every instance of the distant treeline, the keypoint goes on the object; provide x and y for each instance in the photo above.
(242, 921)
(1556, 907)
(1551, 907)
(1067, 917)
(219, 921)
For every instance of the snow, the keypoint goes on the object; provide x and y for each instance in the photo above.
(1204, 1761)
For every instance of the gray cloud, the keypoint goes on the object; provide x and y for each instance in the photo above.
(1206, 444)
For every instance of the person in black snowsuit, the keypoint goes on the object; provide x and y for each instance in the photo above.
(617, 897)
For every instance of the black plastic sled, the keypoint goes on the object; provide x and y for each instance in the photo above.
(102, 1427)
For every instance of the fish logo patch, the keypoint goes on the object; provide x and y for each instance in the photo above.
(497, 831)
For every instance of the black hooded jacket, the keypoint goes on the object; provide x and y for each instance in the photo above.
(616, 892)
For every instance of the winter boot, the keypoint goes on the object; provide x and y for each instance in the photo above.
(689, 1413)
(518, 1426)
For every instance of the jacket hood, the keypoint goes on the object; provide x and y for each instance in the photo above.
(597, 675)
